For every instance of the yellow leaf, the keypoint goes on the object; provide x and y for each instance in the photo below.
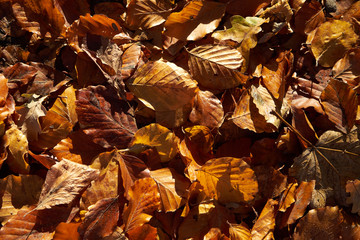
(228, 179)
(239, 232)
(331, 40)
(18, 147)
(155, 135)
(263, 228)
(195, 20)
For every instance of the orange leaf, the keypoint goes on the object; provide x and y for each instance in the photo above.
(196, 19)
(265, 224)
(67, 231)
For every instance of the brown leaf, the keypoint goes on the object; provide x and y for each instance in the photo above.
(147, 14)
(7, 105)
(228, 180)
(172, 187)
(144, 199)
(347, 68)
(288, 197)
(195, 20)
(162, 86)
(239, 232)
(303, 196)
(340, 104)
(64, 182)
(107, 124)
(331, 40)
(265, 224)
(16, 192)
(67, 231)
(331, 162)
(22, 225)
(101, 220)
(58, 121)
(207, 111)
(143, 232)
(97, 24)
(321, 223)
(353, 187)
(215, 66)
(309, 17)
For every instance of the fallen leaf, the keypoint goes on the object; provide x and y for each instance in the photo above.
(309, 17)
(64, 182)
(347, 69)
(331, 162)
(332, 39)
(321, 223)
(228, 180)
(144, 199)
(17, 144)
(143, 232)
(353, 188)
(147, 14)
(107, 124)
(67, 231)
(30, 114)
(195, 20)
(155, 135)
(288, 197)
(172, 187)
(239, 232)
(101, 220)
(339, 101)
(215, 66)
(265, 224)
(207, 111)
(162, 86)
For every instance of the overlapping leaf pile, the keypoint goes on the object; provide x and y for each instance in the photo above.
(161, 119)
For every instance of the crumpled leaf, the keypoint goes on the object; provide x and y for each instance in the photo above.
(101, 220)
(147, 14)
(172, 187)
(144, 199)
(331, 40)
(17, 192)
(339, 101)
(207, 111)
(96, 24)
(347, 68)
(64, 182)
(59, 120)
(331, 162)
(353, 187)
(108, 125)
(228, 180)
(30, 114)
(265, 224)
(17, 144)
(215, 66)
(155, 135)
(162, 86)
(195, 20)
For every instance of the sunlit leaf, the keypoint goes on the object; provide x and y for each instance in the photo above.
(239, 232)
(353, 187)
(196, 19)
(147, 14)
(67, 231)
(332, 39)
(64, 182)
(144, 199)
(155, 135)
(215, 66)
(265, 224)
(228, 180)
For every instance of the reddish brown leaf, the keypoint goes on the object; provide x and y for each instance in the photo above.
(340, 104)
(107, 124)
(101, 220)
(67, 231)
(143, 232)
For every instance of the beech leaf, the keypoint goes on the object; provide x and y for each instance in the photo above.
(228, 180)
(215, 66)
(64, 182)
(353, 187)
